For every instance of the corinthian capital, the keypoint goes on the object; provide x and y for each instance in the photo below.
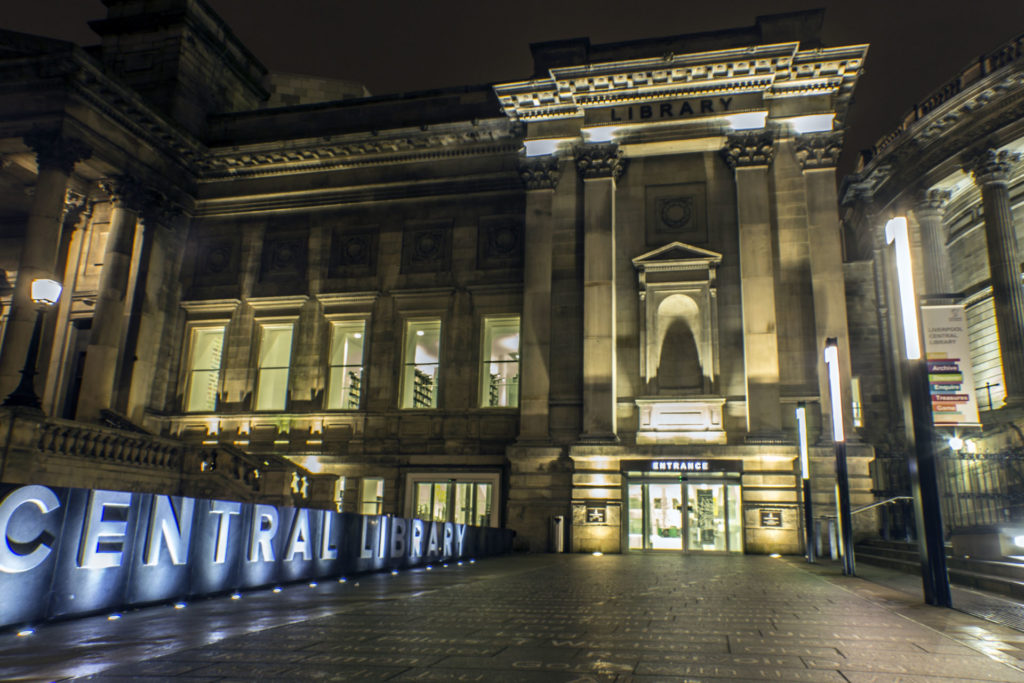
(126, 192)
(749, 149)
(539, 173)
(991, 166)
(600, 161)
(158, 209)
(931, 201)
(819, 150)
(56, 152)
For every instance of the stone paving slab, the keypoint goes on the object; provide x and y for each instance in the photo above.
(659, 617)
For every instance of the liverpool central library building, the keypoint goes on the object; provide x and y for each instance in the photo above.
(584, 306)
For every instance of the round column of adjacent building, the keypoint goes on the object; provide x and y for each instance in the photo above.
(56, 157)
(991, 170)
(938, 277)
(540, 175)
(600, 165)
(750, 156)
(99, 374)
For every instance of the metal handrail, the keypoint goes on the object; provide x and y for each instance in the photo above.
(877, 503)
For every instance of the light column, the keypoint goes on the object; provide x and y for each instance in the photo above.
(600, 165)
(56, 157)
(108, 323)
(750, 155)
(991, 170)
(540, 175)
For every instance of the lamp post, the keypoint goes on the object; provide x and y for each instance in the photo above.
(924, 481)
(44, 294)
(842, 473)
(805, 476)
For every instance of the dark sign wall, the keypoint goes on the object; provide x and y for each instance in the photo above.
(65, 552)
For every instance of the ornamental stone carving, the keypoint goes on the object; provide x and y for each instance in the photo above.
(539, 173)
(749, 149)
(56, 152)
(158, 209)
(600, 161)
(931, 201)
(819, 150)
(126, 192)
(991, 166)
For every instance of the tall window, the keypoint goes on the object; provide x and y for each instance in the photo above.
(421, 361)
(275, 358)
(345, 376)
(371, 496)
(205, 348)
(499, 374)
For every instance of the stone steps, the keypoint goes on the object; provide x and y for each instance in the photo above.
(1002, 577)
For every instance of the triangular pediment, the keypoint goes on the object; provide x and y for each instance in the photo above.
(677, 253)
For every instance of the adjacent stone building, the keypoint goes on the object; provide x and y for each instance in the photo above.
(952, 168)
(596, 295)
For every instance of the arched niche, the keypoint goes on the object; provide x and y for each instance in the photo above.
(679, 345)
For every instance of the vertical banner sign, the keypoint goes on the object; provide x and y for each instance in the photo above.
(950, 377)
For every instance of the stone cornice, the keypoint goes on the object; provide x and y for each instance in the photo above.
(749, 149)
(125, 192)
(990, 166)
(776, 70)
(818, 150)
(539, 173)
(362, 149)
(600, 161)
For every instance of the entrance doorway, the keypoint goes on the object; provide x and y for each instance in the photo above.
(691, 515)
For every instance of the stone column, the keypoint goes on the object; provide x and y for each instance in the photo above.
(56, 157)
(599, 166)
(749, 155)
(991, 170)
(99, 376)
(540, 175)
(817, 154)
(938, 278)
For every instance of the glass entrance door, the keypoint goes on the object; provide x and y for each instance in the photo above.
(694, 516)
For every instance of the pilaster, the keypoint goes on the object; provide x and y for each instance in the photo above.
(750, 155)
(56, 157)
(540, 175)
(99, 375)
(817, 154)
(991, 170)
(599, 166)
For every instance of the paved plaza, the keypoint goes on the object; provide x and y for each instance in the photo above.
(540, 618)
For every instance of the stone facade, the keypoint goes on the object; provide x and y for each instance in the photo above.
(597, 295)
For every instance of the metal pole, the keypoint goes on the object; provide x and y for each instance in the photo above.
(845, 517)
(808, 521)
(924, 484)
(805, 475)
(24, 395)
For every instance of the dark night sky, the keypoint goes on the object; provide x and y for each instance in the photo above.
(401, 45)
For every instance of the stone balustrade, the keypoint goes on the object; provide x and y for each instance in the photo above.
(56, 452)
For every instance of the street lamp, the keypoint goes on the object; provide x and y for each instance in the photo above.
(923, 476)
(842, 473)
(44, 294)
(805, 475)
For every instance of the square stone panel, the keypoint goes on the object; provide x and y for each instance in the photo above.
(353, 252)
(676, 213)
(500, 242)
(426, 247)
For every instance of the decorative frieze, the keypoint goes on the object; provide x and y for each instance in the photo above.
(991, 166)
(749, 149)
(540, 172)
(54, 151)
(819, 150)
(600, 161)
